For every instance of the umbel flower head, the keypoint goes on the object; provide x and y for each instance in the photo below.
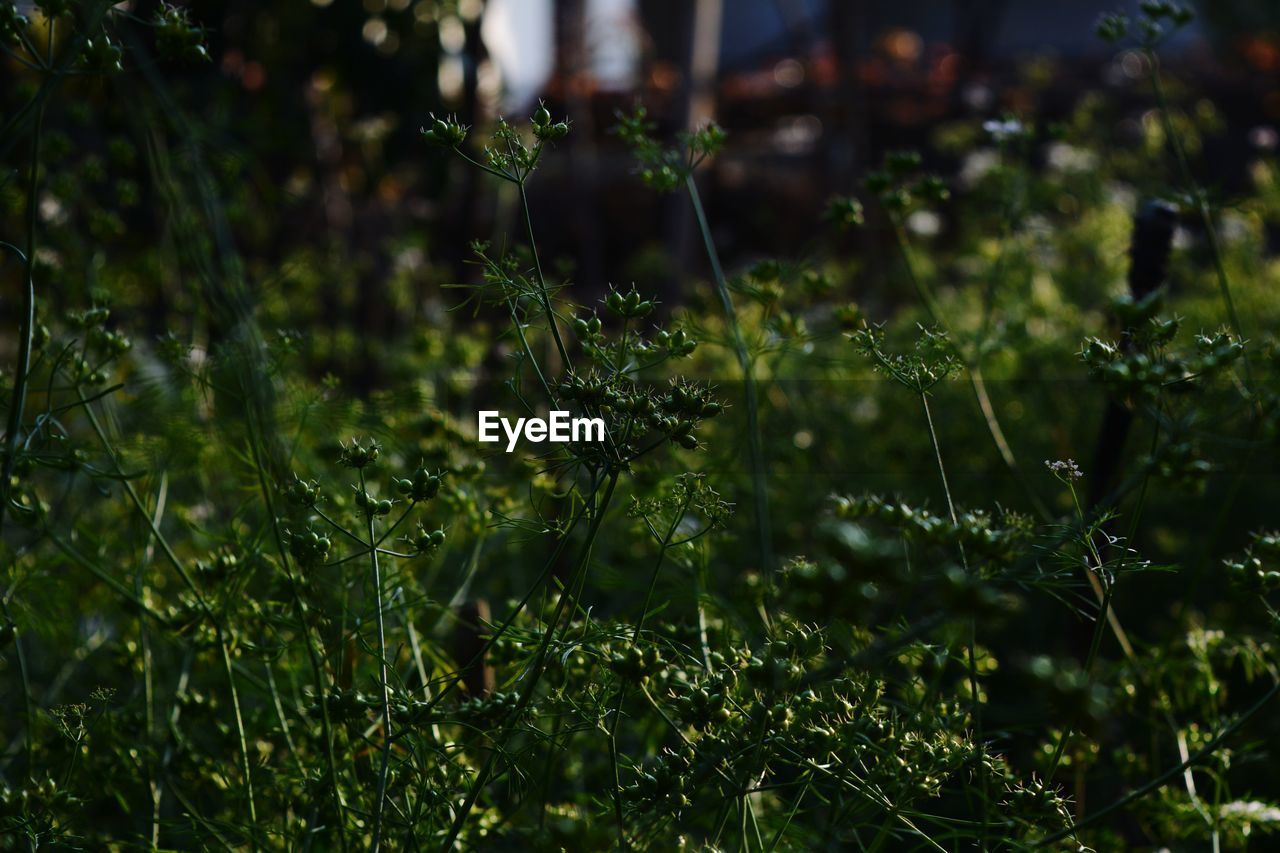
(1065, 470)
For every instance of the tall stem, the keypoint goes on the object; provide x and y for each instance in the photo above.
(17, 403)
(1202, 207)
(942, 469)
(26, 323)
(543, 294)
(385, 761)
(1104, 615)
(758, 475)
(972, 661)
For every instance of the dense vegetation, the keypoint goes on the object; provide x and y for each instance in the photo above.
(957, 543)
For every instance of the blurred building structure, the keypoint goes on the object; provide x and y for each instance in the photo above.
(812, 93)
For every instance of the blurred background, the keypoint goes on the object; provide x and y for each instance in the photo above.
(303, 130)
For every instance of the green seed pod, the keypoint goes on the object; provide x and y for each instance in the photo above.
(12, 24)
(424, 485)
(428, 541)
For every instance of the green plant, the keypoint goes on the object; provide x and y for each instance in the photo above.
(247, 603)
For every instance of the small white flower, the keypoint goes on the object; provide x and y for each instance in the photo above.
(1062, 157)
(52, 210)
(1064, 469)
(977, 164)
(1003, 131)
(1264, 138)
(1251, 810)
(925, 223)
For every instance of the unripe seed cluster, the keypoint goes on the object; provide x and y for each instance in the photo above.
(1258, 569)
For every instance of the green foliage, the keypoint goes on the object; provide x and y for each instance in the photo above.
(247, 603)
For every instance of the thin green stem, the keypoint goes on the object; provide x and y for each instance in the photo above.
(385, 760)
(973, 370)
(942, 469)
(528, 350)
(1197, 194)
(544, 294)
(971, 661)
(26, 324)
(760, 485)
(148, 678)
(1104, 612)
